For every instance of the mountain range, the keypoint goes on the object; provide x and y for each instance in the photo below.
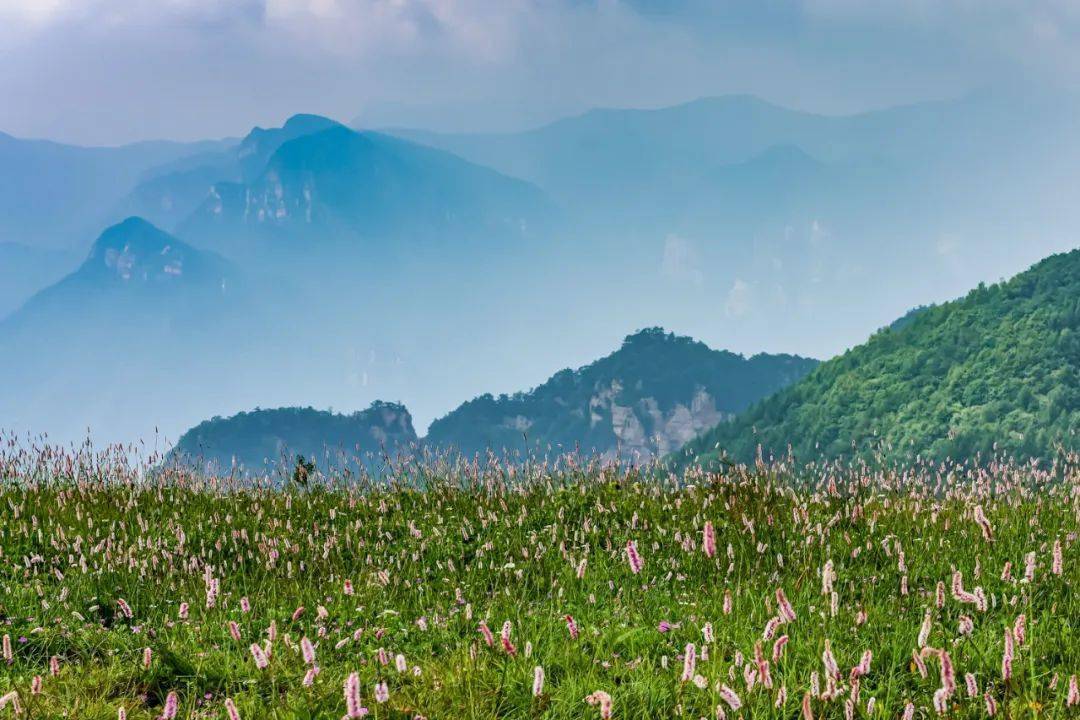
(646, 399)
(425, 268)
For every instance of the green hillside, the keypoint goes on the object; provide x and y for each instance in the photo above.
(994, 371)
(649, 397)
(266, 442)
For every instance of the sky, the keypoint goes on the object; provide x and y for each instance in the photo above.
(115, 71)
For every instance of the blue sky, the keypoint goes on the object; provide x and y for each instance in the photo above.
(110, 71)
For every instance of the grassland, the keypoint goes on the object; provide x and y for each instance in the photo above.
(123, 593)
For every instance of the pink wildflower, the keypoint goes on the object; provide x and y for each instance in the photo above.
(632, 557)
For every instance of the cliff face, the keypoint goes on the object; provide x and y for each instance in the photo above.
(649, 398)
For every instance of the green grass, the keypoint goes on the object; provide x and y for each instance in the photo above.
(480, 545)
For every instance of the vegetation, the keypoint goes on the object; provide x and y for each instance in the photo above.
(650, 374)
(270, 442)
(482, 592)
(996, 371)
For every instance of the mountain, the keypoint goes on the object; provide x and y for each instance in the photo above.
(340, 190)
(52, 195)
(779, 217)
(995, 371)
(169, 193)
(145, 322)
(267, 442)
(648, 398)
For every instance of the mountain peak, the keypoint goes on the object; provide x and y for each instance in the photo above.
(304, 123)
(135, 250)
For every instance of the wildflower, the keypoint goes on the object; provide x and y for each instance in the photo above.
(183, 612)
(689, 662)
(259, 655)
(708, 539)
(125, 609)
(941, 701)
(309, 676)
(489, 638)
(353, 708)
(778, 647)
(35, 685)
(297, 613)
(504, 637)
(924, 631)
(54, 666)
(983, 523)
(382, 693)
(730, 697)
(400, 664)
(727, 602)
(770, 628)
(307, 651)
(9, 656)
(147, 657)
(1073, 697)
(538, 681)
(991, 705)
(172, 705)
(1020, 629)
(966, 625)
(863, 668)
(972, 685)
(12, 699)
(707, 632)
(1056, 560)
(807, 710)
(918, 661)
(948, 674)
(121, 713)
(245, 605)
(234, 631)
(1007, 655)
(603, 700)
(664, 626)
(230, 709)
(633, 558)
(571, 627)
(787, 612)
(831, 668)
(347, 588)
(909, 712)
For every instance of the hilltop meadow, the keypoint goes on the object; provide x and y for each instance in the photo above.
(565, 589)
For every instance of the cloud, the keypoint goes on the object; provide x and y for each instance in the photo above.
(112, 70)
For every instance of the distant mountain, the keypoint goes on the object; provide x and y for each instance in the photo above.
(648, 398)
(995, 371)
(53, 195)
(146, 321)
(267, 442)
(168, 194)
(338, 189)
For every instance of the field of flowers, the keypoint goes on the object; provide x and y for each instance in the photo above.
(562, 590)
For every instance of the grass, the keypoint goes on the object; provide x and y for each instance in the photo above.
(529, 546)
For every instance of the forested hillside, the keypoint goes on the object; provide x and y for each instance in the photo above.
(998, 370)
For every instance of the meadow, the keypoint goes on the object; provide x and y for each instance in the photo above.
(563, 589)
